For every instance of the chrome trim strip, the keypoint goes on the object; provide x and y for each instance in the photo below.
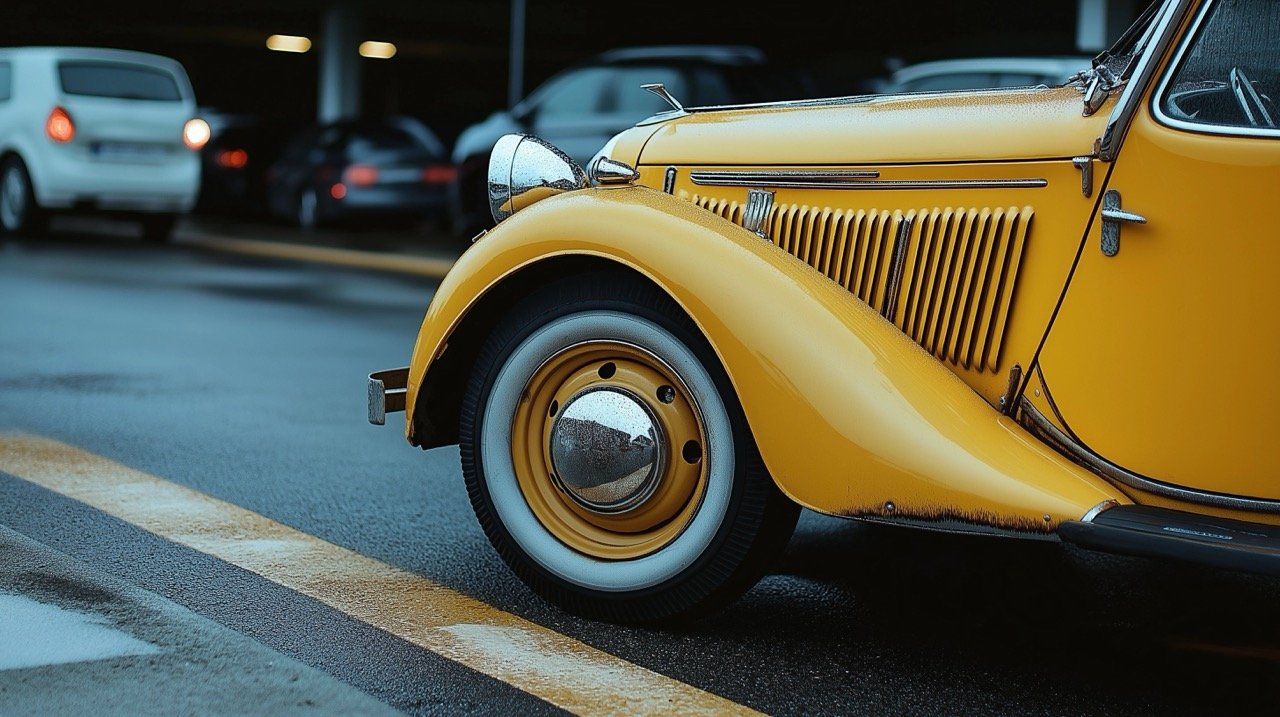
(1096, 510)
(732, 178)
(669, 180)
(900, 243)
(1087, 458)
(828, 181)
(1125, 109)
(1182, 124)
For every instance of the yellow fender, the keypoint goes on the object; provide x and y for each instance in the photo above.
(851, 417)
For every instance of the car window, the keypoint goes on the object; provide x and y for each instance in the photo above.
(950, 81)
(1230, 74)
(577, 93)
(1021, 79)
(6, 81)
(629, 99)
(712, 88)
(381, 138)
(114, 79)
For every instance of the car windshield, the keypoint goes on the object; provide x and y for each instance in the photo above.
(122, 81)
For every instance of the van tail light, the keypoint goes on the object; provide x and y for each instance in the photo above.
(195, 133)
(439, 174)
(59, 126)
(360, 175)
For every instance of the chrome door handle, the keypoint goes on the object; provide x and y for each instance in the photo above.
(1112, 217)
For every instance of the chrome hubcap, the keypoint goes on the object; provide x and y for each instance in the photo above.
(607, 450)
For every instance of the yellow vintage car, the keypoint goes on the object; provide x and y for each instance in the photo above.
(1038, 312)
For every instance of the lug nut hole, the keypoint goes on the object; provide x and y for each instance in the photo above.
(555, 406)
(666, 394)
(608, 370)
(692, 452)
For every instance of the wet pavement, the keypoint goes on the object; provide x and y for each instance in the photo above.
(77, 641)
(242, 377)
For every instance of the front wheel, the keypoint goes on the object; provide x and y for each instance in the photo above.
(608, 460)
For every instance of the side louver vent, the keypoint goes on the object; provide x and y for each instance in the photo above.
(946, 277)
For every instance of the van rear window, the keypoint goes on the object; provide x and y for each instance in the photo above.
(113, 79)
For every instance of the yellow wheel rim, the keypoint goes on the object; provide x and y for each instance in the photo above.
(655, 507)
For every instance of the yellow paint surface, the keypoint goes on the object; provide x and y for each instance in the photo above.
(539, 661)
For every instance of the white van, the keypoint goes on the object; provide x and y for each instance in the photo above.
(99, 130)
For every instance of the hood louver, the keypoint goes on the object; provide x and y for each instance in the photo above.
(945, 277)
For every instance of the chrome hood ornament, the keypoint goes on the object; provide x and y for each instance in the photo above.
(660, 90)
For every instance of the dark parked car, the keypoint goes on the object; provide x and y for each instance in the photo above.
(234, 164)
(391, 168)
(581, 107)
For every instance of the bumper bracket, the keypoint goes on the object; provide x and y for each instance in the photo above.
(386, 393)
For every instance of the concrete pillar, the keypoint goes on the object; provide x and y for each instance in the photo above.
(1100, 23)
(515, 70)
(339, 91)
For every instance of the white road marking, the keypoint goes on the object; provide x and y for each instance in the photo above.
(544, 663)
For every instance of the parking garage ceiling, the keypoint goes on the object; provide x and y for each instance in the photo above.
(451, 65)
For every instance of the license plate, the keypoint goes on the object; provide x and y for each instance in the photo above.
(127, 150)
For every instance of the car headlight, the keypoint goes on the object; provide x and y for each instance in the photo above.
(524, 169)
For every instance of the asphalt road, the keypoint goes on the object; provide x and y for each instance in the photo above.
(242, 377)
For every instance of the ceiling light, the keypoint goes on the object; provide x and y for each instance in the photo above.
(380, 50)
(288, 43)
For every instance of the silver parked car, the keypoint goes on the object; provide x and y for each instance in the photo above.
(971, 73)
(98, 130)
(583, 106)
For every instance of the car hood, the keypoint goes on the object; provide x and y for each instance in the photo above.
(1008, 124)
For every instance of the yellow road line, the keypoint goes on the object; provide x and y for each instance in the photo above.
(1270, 654)
(556, 668)
(399, 263)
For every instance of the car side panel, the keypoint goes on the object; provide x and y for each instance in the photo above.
(852, 418)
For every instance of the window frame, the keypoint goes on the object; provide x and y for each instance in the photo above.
(1171, 70)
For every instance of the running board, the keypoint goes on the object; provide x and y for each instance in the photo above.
(1162, 533)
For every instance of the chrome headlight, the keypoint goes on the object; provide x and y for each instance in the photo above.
(524, 169)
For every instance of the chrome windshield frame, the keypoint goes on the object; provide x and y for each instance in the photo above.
(1164, 30)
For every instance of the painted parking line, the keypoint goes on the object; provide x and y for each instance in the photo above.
(556, 668)
(434, 267)
(1267, 654)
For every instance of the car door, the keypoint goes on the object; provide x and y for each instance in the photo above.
(1163, 358)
